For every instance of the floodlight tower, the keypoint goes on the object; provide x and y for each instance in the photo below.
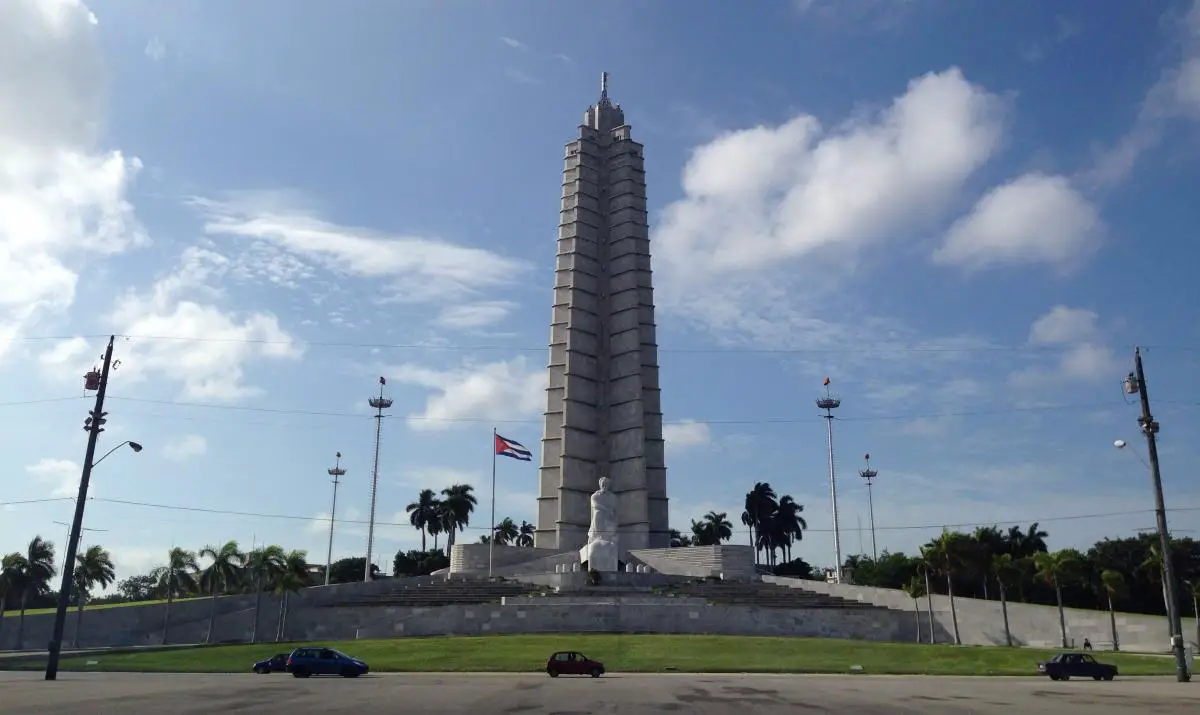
(869, 475)
(380, 404)
(829, 403)
(335, 472)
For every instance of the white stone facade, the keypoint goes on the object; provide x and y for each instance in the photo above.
(603, 407)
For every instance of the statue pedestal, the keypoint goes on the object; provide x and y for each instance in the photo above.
(600, 555)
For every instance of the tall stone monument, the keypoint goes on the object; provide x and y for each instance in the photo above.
(603, 407)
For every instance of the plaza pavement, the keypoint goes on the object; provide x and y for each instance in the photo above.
(454, 694)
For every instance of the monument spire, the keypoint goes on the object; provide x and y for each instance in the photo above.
(603, 86)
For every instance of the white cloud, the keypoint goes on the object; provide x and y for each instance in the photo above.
(420, 270)
(61, 199)
(497, 391)
(1083, 357)
(155, 49)
(515, 44)
(61, 475)
(213, 366)
(475, 315)
(1175, 95)
(1033, 219)
(1064, 325)
(774, 217)
(686, 433)
(186, 447)
(67, 359)
(438, 478)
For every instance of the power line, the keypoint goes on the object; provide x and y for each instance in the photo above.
(857, 349)
(36, 501)
(906, 527)
(712, 422)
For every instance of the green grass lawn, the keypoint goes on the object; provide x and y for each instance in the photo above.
(99, 606)
(620, 653)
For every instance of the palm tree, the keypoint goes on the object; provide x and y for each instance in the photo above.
(222, 574)
(1113, 583)
(35, 568)
(1154, 569)
(525, 535)
(985, 543)
(712, 529)
(506, 532)
(93, 568)
(1194, 592)
(262, 565)
(10, 578)
(177, 577)
(924, 566)
(1006, 572)
(759, 506)
(915, 589)
(435, 525)
(458, 503)
(290, 579)
(422, 512)
(679, 540)
(789, 522)
(1056, 568)
(945, 554)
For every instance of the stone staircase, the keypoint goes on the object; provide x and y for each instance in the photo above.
(442, 593)
(763, 595)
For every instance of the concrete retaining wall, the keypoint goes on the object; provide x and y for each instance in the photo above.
(735, 562)
(473, 558)
(981, 622)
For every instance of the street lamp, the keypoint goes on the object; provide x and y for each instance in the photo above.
(68, 580)
(336, 472)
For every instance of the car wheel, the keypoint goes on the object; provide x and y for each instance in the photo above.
(1064, 677)
(552, 672)
(1053, 677)
(595, 672)
(1109, 677)
(300, 673)
(348, 673)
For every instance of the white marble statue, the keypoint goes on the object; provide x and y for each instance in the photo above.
(601, 553)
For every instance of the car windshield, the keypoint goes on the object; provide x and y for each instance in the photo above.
(339, 654)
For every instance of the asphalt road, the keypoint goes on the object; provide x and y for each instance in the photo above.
(441, 694)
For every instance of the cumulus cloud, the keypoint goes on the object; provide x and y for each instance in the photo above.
(468, 316)
(60, 475)
(62, 198)
(1083, 357)
(197, 344)
(684, 434)
(775, 218)
(186, 447)
(1033, 219)
(499, 391)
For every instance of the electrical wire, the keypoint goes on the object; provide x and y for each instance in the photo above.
(857, 349)
(325, 519)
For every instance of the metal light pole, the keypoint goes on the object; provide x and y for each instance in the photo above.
(1135, 383)
(380, 404)
(869, 475)
(336, 472)
(829, 403)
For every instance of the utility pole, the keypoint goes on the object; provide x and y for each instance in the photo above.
(94, 425)
(1135, 382)
(380, 404)
(869, 475)
(829, 403)
(336, 472)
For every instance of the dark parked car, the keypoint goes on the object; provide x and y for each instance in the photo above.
(1080, 665)
(274, 664)
(319, 660)
(568, 662)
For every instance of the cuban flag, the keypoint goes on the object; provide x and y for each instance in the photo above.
(512, 448)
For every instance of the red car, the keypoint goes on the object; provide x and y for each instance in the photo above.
(568, 662)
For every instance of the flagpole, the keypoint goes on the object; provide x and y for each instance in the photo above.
(492, 537)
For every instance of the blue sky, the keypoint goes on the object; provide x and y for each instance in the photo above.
(966, 216)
